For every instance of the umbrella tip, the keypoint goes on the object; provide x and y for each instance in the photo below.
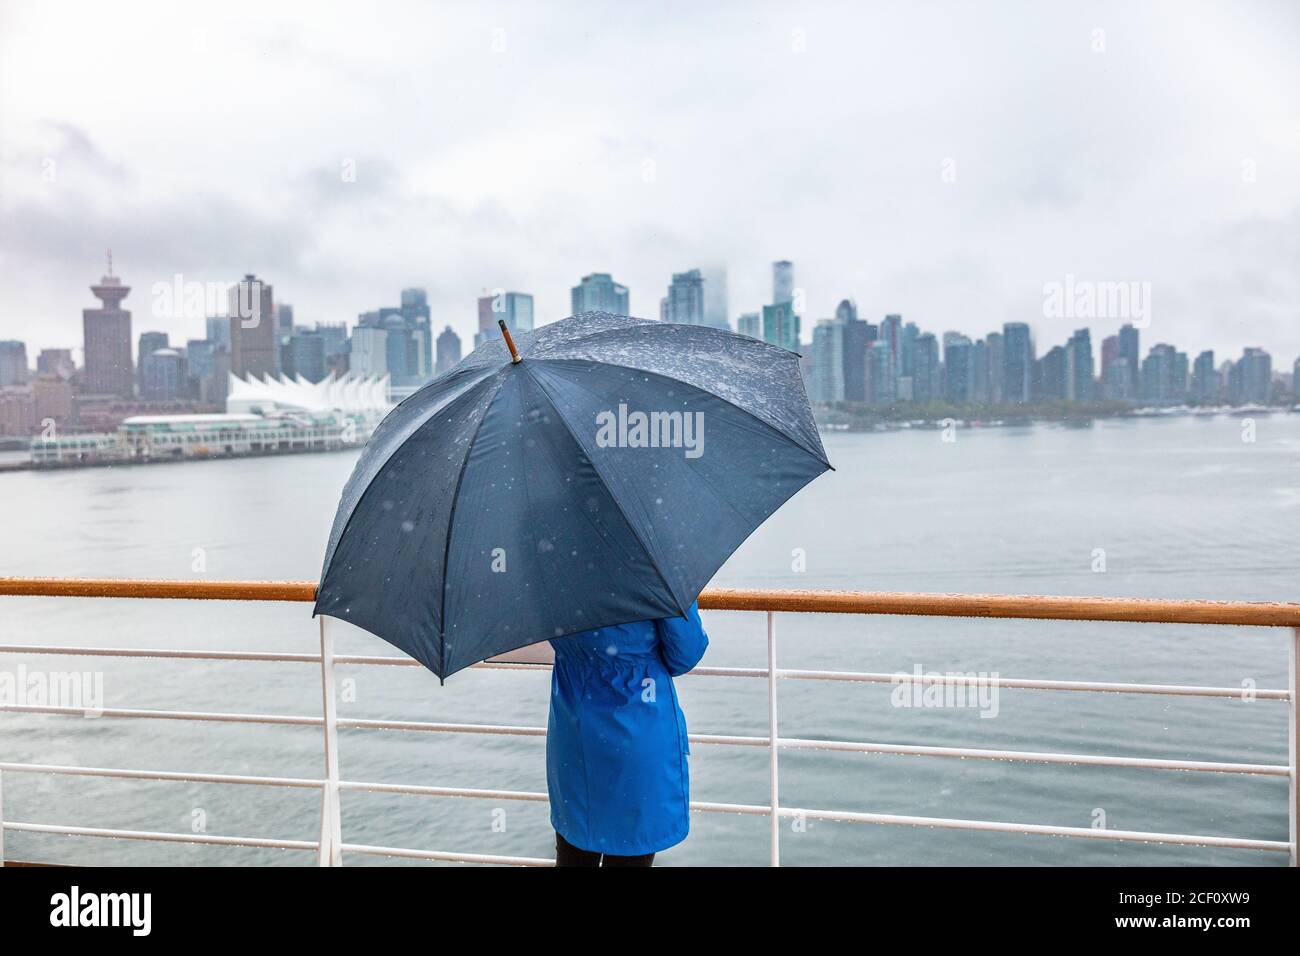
(514, 352)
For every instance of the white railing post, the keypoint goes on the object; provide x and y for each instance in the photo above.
(331, 826)
(2, 818)
(1293, 735)
(772, 737)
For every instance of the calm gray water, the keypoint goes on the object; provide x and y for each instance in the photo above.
(1182, 508)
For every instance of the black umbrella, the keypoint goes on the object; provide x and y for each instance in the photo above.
(600, 474)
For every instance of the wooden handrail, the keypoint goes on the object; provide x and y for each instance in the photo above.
(1029, 606)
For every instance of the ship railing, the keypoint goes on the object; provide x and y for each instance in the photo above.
(330, 847)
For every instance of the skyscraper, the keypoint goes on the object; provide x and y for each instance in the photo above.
(13, 363)
(161, 374)
(1078, 385)
(107, 340)
(1205, 380)
(781, 325)
(827, 384)
(926, 371)
(304, 354)
(858, 336)
(149, 343)
(1017, 363)
(782, 282)
(1128, 350)
(997, 383)
(751, 324)
(369, 354)
(55, 362)
(253, 342)
(414, 310)
(1054, 374)
(956, 368)
(891, 333)
(882, 385)
(598, 292)
(1255, 374)
(1157, 375)
(979, 372)
(515, 307)
(408, 339)
(715, 297)
(684, 303)
(448, 350)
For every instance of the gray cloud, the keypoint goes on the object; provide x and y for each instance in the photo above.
(524, 147)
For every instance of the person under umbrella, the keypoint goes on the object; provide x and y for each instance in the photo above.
(563, 490)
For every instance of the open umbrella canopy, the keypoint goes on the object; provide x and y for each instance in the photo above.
(600, 475)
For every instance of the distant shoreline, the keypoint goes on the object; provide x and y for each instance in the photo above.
(897, 418)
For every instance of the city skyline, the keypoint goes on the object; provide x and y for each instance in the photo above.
(770, 322)
(958, 224)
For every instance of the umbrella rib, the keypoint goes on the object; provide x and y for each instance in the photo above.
(329, 558)
(451, 524)
(654, 558)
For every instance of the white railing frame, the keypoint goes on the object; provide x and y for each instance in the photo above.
(330, 847)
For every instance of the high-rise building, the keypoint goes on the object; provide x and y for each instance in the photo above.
(369, 356)
(162, 373)
(13, 363)
(1178, 378)
(926, 373)
(515, 307)
(1254, 373)
(149, 343)
(715, 297)
(283, 319)
(782, 282)
(907, 350)
(1079, 374)
(207, 368)
(1128, 349)
(107, 340)
(781, 326)
(335, 338)
(598, 292)
(751, 324)
(882, 384)
(1157, 376)
(858, 336)
(684, 303)
(827, 382)
(448, 351)
(1017, 363)
(1205, 380)
(415, 312)
(408, 339)
(979, 372)
(993, 343)
(891, 333)
(1117, 381)
(1054, 374)
(253, 342)
(956, 368)
(219, 331)
(56, 362)
(304, 355)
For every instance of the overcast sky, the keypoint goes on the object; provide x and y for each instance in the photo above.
(942, 160)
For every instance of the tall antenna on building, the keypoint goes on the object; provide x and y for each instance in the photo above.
(110, 261)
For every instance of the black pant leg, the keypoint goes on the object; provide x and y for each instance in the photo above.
(611, 860)
(566, 854)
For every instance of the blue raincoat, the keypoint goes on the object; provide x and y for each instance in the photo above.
(616, 739)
